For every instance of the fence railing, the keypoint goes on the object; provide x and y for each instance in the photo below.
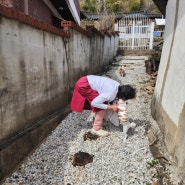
(136, 37)
(136, 31)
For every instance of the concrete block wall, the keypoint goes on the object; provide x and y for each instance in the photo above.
(168, 104)
(33, 83)
(39, 65)
(106, 49)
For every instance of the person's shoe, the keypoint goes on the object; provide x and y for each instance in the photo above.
(101, 133)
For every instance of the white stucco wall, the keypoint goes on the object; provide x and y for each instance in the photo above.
(168, 103)
(170, 88)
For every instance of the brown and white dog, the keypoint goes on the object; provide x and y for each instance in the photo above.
(123, 117)
(122, 70)
(122, 113)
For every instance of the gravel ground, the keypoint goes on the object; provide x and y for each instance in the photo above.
(116, 161)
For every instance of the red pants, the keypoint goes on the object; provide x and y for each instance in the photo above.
(82, 97)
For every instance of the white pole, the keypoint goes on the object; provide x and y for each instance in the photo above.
(133, 32)
(151, 35)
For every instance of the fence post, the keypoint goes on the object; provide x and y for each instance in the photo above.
(133, 32)
(151, 35)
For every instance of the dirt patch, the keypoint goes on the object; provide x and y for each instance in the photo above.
(89, 136)
(81, 159)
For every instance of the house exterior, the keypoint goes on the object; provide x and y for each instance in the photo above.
(168, 103)
(49, 11)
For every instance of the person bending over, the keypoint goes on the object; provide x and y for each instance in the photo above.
(96, 93)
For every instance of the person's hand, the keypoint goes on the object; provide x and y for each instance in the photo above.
(121, 108)
(113, 107)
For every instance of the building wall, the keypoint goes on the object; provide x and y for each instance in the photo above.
(39, 65)
(18, 5)
(7, 3)
(39, 10)
(168, 104)
(36, 9)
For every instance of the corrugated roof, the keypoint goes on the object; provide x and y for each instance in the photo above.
(120, 15)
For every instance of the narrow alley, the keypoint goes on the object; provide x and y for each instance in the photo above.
(116, 160)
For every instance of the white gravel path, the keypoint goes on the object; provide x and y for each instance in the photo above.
(116, 161)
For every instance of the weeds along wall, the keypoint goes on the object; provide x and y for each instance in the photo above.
(39, 65)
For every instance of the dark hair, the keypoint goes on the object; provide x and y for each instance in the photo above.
(126, 92)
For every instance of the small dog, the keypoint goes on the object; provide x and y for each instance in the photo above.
(123, 117)
(122, 70)
(122, 113)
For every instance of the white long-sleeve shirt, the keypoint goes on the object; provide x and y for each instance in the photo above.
(107, 89)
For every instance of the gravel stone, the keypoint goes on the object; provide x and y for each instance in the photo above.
(117, 161)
